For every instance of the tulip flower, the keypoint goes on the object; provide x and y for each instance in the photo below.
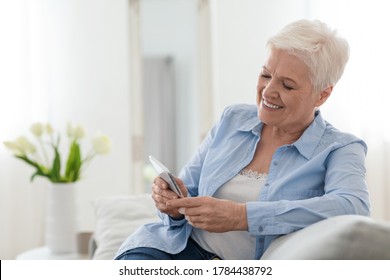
(102, 144)
(37, 129)
(25, 150)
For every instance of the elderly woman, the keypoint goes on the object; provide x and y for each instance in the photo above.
(264, 170)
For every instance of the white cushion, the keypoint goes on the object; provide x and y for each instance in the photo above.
(347, 237)
(116, 218)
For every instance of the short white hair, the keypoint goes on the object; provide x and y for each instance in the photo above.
(319, 47)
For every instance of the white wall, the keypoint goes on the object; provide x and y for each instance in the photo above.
(89, 84)
(62, 60)
(168, 28)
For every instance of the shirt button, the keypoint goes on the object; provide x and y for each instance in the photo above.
(261, 228)
(261, 241)
(275, 163)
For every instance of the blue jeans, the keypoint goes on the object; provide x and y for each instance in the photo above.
(192, 252)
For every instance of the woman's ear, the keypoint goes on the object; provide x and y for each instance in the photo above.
(324, 95)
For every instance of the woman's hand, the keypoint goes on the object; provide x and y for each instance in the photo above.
(161, 194)
(212, 214)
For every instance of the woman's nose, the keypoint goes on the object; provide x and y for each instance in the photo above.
(270, 90)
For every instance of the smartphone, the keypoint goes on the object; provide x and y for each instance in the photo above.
(164, 173)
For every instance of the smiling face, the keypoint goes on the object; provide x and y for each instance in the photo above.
(285, 96)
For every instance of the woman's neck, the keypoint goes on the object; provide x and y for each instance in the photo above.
(280, 136)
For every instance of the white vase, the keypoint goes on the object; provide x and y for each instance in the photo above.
(61, 218)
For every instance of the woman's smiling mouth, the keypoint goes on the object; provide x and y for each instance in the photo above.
(270, 105)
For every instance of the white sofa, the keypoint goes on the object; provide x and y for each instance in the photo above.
(346, 237)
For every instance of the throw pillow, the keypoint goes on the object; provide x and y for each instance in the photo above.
(117, 217)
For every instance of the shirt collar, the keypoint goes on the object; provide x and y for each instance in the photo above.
(311, 137)
(306, 144)
(251, 124)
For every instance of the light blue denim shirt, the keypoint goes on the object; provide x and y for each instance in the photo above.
(321, 175)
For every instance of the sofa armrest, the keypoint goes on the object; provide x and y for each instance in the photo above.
(345, 237)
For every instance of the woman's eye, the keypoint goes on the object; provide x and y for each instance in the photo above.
(265, 76)
(287, 87)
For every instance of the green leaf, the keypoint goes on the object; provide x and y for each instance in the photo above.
(39, 173)
(73, 164)
(27, 160)
(41, 170)
(55, 174)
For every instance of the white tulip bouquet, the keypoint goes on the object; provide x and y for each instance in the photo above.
(46, 157)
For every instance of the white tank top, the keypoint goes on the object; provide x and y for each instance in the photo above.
(233, 245)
